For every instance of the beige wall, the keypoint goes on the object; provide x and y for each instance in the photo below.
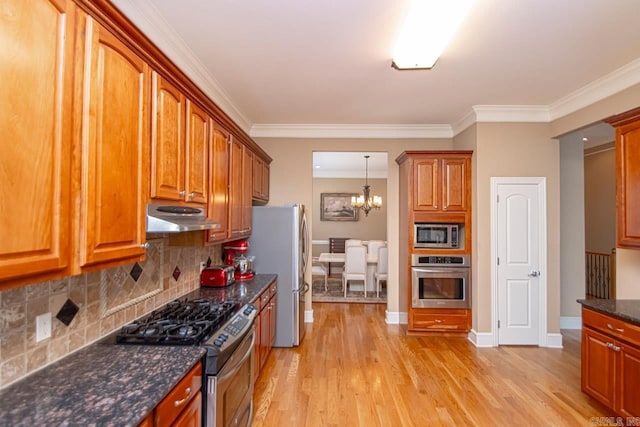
(572, 275)
(292, 181)
(515, 149)
(600, 199)
(372, 227)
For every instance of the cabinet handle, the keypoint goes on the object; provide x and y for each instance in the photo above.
(192, 195)
(181, 401)
(609, 345)
(439, 321)
(145, 245)
(610, 326)
(616, 348)
(182, 193)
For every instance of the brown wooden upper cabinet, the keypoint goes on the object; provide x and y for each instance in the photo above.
(218, 205)
(179, 147)
(240, 190)
(441, 182)
(261, 171)
(35, 127)
(627, 177)
(114, 148)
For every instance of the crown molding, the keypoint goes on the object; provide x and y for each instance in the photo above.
(146, 17)
(350, 131)
(511, 113)
(610, 84)
(465, 122)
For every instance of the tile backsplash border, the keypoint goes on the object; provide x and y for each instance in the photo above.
(98, 315)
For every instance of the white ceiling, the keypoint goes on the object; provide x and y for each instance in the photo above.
(280, 66)
(346, 164)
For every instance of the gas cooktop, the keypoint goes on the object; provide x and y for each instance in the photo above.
(180, 322)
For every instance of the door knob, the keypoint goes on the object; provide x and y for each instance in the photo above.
(534, 274)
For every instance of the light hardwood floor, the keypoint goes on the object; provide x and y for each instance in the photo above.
(353, 369)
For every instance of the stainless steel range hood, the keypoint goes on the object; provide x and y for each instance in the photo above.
(176, 219)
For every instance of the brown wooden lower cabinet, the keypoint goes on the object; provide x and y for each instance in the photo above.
(611, 362)
(182, 407)
(265, 326)
(440, 320)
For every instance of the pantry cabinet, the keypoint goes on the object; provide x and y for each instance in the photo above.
(611, 362)
(627, 177)
(436, 188)
(35, 127)
(113, 150)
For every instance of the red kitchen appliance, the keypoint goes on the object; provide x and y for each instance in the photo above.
(217, 276)
(234, 255)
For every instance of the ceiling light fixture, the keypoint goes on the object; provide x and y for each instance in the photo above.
(427, 30)
(365, 202)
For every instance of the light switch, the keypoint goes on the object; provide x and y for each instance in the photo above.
(43, 327)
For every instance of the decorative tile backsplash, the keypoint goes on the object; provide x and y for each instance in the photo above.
(105, 299)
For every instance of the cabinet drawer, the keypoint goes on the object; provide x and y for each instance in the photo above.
(441, 321)
(611, 326)
(258, 303)
(178, 398)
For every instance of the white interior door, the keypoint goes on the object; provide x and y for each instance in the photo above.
(518, 244)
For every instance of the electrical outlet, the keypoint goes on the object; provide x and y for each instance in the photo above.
(43, 327)
(203, 265)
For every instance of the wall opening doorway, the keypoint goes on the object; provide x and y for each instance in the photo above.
(336, 177)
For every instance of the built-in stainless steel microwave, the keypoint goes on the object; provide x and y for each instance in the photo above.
(435, 236)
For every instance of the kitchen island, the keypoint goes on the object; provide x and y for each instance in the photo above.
(109, 384)
(611, 353)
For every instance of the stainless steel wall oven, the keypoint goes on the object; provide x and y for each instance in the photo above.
(440, 281)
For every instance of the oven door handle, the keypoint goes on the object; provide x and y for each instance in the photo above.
(238, 365)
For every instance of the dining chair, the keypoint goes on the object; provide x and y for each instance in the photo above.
(355, 267)
(317, 269)
(352, 242)
(373, 246)
(336, 245)
(381, 268)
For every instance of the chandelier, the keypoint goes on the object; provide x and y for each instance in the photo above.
(365, 202)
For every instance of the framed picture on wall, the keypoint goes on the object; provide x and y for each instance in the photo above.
(337, 207)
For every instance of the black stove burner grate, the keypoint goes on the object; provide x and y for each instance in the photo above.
(180, 322)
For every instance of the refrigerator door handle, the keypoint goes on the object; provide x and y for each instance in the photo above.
(304, 289)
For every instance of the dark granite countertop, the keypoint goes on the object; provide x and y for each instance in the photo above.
(623, 309)
(110, 385)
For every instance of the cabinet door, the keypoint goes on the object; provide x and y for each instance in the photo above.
(218, 206)
(454, 184)
(266, 170)
(265, 330)
(191, 416)
(114, 145)
(258, 164)
(167, 141)
(598, 367)
(35, 130)
(628, 379)
(236, 189)
(197, 162)
(247, 192)
(272, 320)
(426, 184)
(628, 178)
(257, 324)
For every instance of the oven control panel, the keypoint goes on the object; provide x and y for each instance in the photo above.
(440, 260)
(236, 327)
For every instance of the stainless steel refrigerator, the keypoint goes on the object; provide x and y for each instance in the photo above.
(280, 242)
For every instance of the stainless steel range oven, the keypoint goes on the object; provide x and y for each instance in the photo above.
(227, 334)
(440, 281)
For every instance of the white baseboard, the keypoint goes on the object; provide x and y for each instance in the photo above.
(396, 317)
(554, 341)
(567, 322)
(308, 316)
(481, 339)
